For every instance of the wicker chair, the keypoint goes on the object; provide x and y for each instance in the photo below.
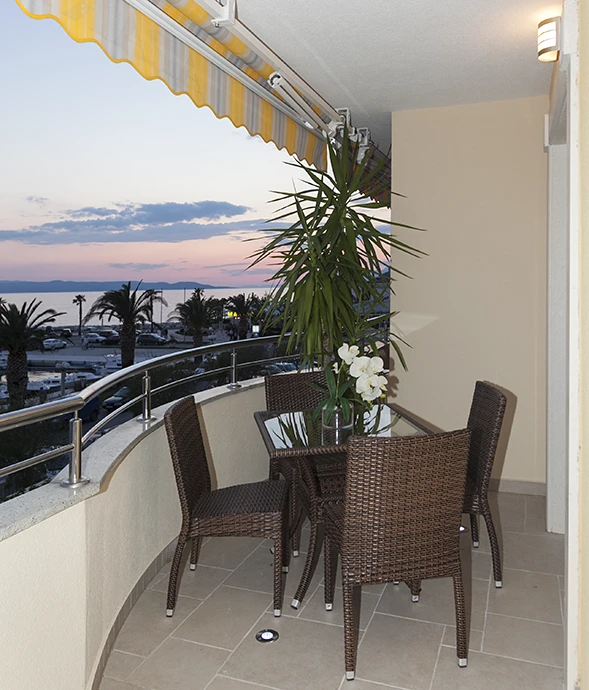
(247, 510)
(292, 393)
(399, 521)
(485, 420)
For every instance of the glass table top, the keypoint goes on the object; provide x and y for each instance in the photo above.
(291, 430)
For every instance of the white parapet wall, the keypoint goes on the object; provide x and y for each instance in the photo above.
(73, 563)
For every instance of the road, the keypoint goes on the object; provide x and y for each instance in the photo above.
(74, 354)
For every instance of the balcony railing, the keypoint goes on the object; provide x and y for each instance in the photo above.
(72, 404)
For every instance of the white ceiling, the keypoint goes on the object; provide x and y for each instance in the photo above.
(377, 56)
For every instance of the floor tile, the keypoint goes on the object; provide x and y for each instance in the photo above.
(400, 652)
(224, 618)
(509, 510)
(227, 552)
(148, 626)
(314, 609)
(120, 665)
(111, 684)
(359, 684)
(257, 573)
(436, 603)
(522, 639)
(197, 583)
(475, 638)
(538, 553)
(486, 672)
(535, 515)
(306, 655)
(475, 563)
(179, 665)
(221, 683)
(527, 595)
(159, 577)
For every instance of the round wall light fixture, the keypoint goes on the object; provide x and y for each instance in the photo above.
(548, 39)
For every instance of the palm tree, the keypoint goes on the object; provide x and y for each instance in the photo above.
(130, 308)
(194, 315)
(243, 307)
(19, 330)
(79, 300)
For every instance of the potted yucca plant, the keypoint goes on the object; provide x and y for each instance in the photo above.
(332, 258)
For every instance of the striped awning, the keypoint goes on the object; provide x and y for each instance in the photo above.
(179, 42)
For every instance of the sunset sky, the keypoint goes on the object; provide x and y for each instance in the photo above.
(106, 176)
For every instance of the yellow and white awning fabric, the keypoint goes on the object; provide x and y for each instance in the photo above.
(180, 43)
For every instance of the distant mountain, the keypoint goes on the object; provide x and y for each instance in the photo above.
(12, 286)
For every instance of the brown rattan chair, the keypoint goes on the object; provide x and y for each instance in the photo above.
(246, 510)
(292, 393)
(399, 520)
(485, 420)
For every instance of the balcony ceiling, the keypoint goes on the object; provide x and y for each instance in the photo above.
(379, 56)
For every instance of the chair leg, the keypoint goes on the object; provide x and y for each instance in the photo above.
(415, 587)
(349, 631)
(461, 637)
(296, 518)
(497, 575)
(330, 565)
(474, 530)
(278, 560)
(285, 541)
(194, 552)
(173, 580)
(309, 567)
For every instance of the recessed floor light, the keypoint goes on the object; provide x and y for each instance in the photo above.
(267, 635)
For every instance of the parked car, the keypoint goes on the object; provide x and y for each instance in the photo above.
(150, 339)
(65, 333)
(111, 338)
(109, 333)
(88, 413)
(118, 399)
(94, 338)
(53, 344)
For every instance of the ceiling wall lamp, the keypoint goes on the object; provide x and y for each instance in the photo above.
(548, 39)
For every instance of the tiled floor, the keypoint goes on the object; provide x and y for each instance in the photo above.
(516, 635)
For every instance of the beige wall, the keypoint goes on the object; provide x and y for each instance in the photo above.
(584, 317)
(475, 178)
(43, 604)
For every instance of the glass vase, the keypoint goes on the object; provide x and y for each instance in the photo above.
(336, 420)
(335, 428)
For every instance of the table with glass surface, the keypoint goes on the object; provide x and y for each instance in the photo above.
(292, 434)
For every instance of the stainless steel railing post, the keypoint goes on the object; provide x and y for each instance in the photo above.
(234, 383)
(75, 479)
(146, 416)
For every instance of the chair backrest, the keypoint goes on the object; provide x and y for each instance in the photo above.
(484, 421)
(403, 505)
(292, 392)
(188, 453)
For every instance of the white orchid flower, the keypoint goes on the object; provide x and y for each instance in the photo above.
(362, 384)
(376, 365)
(370, 386)
(335, 367)
(372, 394)
(359, 366)
(348, 353)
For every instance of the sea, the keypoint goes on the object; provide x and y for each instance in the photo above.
(63, 301)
